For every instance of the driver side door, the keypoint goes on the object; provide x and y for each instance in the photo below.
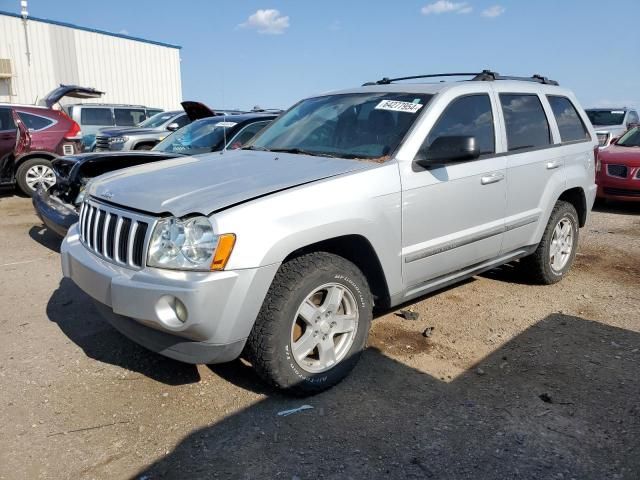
(453, 214)
(8, 143)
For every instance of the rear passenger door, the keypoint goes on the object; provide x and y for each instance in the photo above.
(453, 215)
(535, 175)
(8, 139)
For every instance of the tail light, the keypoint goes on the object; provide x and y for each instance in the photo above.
(74, 131)
(597, 157)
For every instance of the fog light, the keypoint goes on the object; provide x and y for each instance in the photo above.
(181, 311)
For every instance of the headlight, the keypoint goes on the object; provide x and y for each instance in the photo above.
(118, 139)
(189, 244)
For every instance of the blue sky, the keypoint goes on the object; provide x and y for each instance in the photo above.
(241, 53)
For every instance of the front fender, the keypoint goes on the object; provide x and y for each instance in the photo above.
(365, 203)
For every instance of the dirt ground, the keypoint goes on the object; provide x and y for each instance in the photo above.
(515, 381)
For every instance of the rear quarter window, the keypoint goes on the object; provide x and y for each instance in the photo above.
(526, 123)
(35, 122)
(96, 116)
(569, 122)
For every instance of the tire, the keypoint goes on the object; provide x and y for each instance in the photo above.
(32, 169)
(281, 328)
(540, 265)
(143, 147)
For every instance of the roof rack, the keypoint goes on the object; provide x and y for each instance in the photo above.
(484, 76)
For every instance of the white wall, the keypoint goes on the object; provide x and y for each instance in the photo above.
(128, 71)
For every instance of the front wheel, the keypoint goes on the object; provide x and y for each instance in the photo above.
(555, 254)
(313, 324)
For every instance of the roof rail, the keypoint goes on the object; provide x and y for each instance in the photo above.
(484, 76)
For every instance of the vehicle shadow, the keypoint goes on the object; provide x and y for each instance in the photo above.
(73, 311)
(558, 401)
(45, 237)
(617, 207)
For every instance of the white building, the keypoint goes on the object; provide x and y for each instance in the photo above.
(37, 55)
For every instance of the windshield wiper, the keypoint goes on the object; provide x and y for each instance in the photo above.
(253, 147)
(301, 151)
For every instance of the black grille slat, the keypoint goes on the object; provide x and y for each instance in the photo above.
(111, 232)
(622, 192)
(123, 241)
(92, 221)
(138, 243)
(99, 240)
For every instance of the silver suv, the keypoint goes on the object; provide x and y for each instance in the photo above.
(366, 197)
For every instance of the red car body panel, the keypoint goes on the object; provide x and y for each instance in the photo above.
(50, 142)
(619, 175)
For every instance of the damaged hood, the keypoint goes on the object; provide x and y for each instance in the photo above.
(207, 183)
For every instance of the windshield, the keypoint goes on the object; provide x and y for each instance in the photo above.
(201, 136)
(630, 139)
(362, 125)
(156, 120)
(606, 118)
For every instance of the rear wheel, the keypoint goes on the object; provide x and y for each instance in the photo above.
(555, 254)
(33, 173)
(313, 324)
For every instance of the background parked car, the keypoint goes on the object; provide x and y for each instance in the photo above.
(618, 168)
(31, 136)
(93, 116)
(610, 123)
(57, 208)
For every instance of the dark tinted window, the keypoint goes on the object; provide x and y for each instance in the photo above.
(569, 122)
(6, 120)
(128, 117)
(469, 115)
(96, 116)
(630, 139)
(246, 134)
(606, 118)
(181, 121)
(34, 122)
(153, 111)
(526, 122)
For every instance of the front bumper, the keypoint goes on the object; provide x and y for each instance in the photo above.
(221, 306)
(56, 215)
(614, 188)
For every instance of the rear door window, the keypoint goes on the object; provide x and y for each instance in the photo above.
(469, 115)
(6, 120)
(128, 117)
(35, 122)
(246, 134)
(569, 122)
(96, 116)
(526, 123)
(182, 120)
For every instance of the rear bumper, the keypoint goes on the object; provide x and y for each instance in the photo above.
(56, 215)
(221, 306)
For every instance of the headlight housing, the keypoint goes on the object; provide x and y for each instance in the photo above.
(188, 244)
(118, 139)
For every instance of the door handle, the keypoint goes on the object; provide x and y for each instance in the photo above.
(493, 178)
(552, 165)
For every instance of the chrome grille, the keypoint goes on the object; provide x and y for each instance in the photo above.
(102, 142)
(119, 236)
(617, 171)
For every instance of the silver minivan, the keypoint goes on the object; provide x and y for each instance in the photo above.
(94, 116)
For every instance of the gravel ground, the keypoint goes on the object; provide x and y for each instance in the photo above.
(515, 381)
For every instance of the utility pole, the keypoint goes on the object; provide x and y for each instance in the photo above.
(25, 13)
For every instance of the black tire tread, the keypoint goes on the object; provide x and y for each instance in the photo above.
(262, 344)
(535, 264)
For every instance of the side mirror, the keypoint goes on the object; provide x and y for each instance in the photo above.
(172, 127)
(449, 149)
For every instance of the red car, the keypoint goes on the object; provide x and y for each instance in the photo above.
(31, 136)
(618, 168)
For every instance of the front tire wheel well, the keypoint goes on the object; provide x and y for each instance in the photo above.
(358, 250)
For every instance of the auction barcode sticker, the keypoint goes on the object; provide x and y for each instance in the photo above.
(398, 106)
